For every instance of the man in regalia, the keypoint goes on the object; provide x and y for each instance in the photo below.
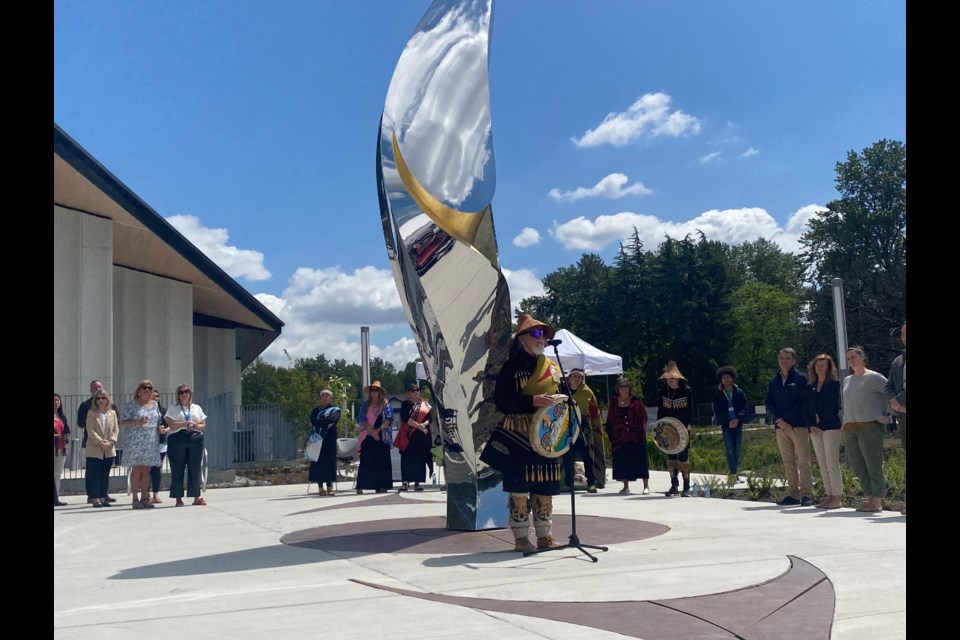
(526, 383)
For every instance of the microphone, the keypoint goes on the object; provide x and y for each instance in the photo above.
(554, 343)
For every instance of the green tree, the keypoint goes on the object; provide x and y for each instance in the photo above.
(693, 322)
(766, 321)
(764, 261)
(571, 297)
(861, 237)
(261, 383)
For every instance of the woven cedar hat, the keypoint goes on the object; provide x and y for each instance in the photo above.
(526, 322)
(672, 371)
(724, 370)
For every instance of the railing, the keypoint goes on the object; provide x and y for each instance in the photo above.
(234, 435)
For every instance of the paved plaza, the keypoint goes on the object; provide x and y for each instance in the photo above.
(275, 562)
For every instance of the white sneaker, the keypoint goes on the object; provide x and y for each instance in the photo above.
(646, 491)
(624, 492)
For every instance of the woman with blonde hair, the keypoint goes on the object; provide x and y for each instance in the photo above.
(140, 441)
(101, 450)
(823, 414)
(375, 441)
(185, 424)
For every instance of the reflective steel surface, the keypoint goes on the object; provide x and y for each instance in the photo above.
(436, 178)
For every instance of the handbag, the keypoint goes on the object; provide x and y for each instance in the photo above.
(506, 451)
(196, 436)
(402, 440)
(312, 450)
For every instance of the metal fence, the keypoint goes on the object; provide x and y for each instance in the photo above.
(234, 434)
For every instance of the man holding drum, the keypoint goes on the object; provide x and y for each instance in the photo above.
(526, 383)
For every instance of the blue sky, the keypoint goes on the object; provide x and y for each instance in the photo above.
(252, 125)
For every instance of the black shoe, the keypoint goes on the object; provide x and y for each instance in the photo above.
(59, 504)
(674, 491)
(805, 501)
(381, 490)
(789, 501)
(109, 499)
(105, 504)
(97, 505)
(684, 494)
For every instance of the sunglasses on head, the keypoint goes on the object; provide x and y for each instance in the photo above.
(536, 333)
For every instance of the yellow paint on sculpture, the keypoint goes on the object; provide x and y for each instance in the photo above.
(465, 226)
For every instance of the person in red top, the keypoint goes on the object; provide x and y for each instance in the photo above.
(627, 429)
(61, 437)
(413, 439)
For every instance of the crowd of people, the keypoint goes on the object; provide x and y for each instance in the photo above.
(812, 407)
(144, 432)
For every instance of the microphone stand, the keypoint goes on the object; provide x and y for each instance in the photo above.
(574, 541)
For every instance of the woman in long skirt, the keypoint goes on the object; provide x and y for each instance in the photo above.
(627, 429)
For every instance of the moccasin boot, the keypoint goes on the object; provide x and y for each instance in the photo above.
(523, 544)
(546, 543)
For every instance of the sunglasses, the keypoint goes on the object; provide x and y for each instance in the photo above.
(184, 392)
(99, 398)
(146, 386)
(536, 333)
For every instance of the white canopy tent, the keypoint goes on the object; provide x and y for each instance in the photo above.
(576, 353)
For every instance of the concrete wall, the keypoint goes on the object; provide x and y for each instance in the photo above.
(120, 326)
(152, 331)
(216, 369)
(83, 306)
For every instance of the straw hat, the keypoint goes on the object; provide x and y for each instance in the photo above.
(526, 322)
(374, 385)
(672, 371)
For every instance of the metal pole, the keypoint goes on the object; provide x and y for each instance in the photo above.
(840, 319)
(365, 354)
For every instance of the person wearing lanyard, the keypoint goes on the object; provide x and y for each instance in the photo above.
(186, 422)
(729, 409)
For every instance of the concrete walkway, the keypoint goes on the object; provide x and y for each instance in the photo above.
(274, 562)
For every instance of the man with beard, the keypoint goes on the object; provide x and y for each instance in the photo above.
(526, 383)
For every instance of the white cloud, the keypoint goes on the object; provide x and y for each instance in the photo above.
(649, 116)
(523, 283)
(749, 153)
(609, 187)
(238, 263)
(527, 238)
(323, 310)
(731, 226)
(710, 157)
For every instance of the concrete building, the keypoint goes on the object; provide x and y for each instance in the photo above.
(135, 299)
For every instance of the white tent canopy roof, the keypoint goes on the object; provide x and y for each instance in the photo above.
(576, 353)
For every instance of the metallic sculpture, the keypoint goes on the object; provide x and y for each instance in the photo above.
(435, 176)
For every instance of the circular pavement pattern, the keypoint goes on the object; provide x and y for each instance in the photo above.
(428, 535)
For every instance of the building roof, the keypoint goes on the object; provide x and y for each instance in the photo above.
(144, 241)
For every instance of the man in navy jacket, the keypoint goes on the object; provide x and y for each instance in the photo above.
(785, 403)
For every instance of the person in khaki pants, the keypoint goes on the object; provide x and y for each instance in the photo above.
(786, 400)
